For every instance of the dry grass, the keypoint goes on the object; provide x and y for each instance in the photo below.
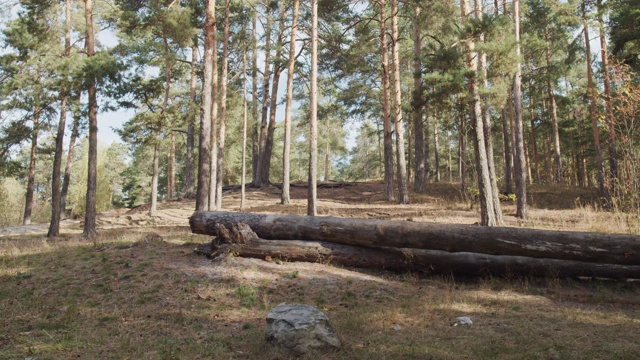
(125, 299)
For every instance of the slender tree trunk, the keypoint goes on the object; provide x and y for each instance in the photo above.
(172, 169)
(54, 226)
(265, 101)
(613, 157)
(554, 113)
(520, 159)
(419, 183)
(70, 154)
(255, 148)
(156, 149)
(487, 212)
(189, 175)
(436, 148)
(89, 231)
(486, 119)
(462, 146)
(244, 125)
(265, 163)
(286, 161)
(213, 166)
(223, 106)
(28, 203)
(403, 191)
(534, 139)
(313, 120)
(506, 146)
(593, 112)
(204, 149)
(386, 107)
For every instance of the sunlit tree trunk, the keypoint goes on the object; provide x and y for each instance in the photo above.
(386, 106)
(31, 175)
(403, 189)
(89, 230)
(613, 157)
(255, 148)
(244, 125)
(487, 213)
(265, 162)
(223, 106)
(554, 114)
(54, 226)
(70, 154)
(204, 149)
(286, 162)
(420, 182)
(593, 111)
(313, 118)
(265, 100)
(462, 146)
(520, 159)
(213, 166)
(436, 148)
(189, 176)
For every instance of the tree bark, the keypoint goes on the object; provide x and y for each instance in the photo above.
(436, 148)
(265, 162)
(265, 100)
(421, 163)
(554, 114)
(213, 166)
(204, 149)
(286, 155)
(462, 146)
(520, 158)
(223, 106)
(613, 157)
(70, 154)
(89, 230)
(386, 106)
(534, 139)
(593, 112)
(191, 121)
(244, 124)
(255, 147)
(312, 193)
(31, 175)
(603, 248)
(401, 163)
(54, 226)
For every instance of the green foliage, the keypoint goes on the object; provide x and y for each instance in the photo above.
(11, 202)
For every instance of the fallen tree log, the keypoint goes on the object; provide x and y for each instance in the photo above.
(563, 245)
(241, 241)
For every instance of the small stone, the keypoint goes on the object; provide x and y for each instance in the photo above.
(397, 327)
(300, 329)
(464, 320)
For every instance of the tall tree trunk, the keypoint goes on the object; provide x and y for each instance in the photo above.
(89, 230)
(534, 139)
(419, 183)
(286, 162)
(613, 157)
(255, 148)
(213, 166)
(265, 100)
(462, 146)
(156, 149)
(554, 113)
(189, 175)
(223, 106)
(436, 148)
(386, 106)
(204, 149)
(486, 119)
(265, 163)
(54, 226)
(171, 192)
(506, 146)
(403, 191)
(487, 212)
(70, 154)
(593, 112)
(520, 159)
(244, 124)
(28, 203)
(313, 118)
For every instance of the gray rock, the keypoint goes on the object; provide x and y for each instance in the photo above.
(300, 329)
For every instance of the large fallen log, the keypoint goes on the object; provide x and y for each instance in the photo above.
(241, 241)
(563, 245)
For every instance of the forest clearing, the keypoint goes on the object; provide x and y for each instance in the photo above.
(123, 297)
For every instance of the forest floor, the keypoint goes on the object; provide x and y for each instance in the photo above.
(126, 298)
